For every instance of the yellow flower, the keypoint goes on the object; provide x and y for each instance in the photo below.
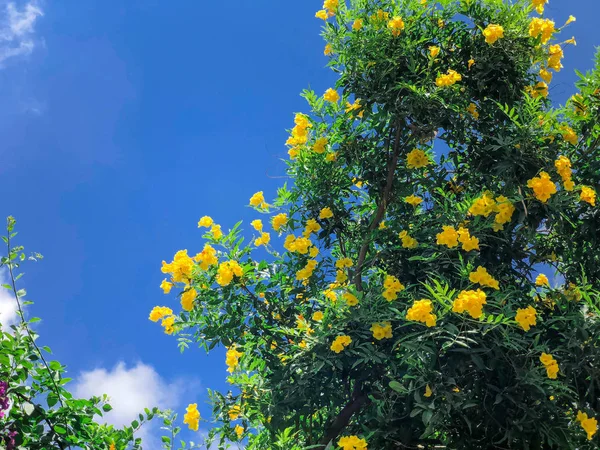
(234, 412)
(546, 75)
(357, 25)
(539, 5)
(468, 242)
(216, 232)
(472, 109)
(550, 364)
(112, 447)
(422, 311)
(180, 268)
(328, 50)
(539, 90)
(331, 156)
(340, 343)
(470, 63)
(331, 95)
(232, 359)
(313, 252)
(167, 323)
(434, 50)
(257, 224)
(158, 312)
(239, 430)
(187, 299)
(569, 134)
(483, 206)
(350, 299)
(450, 78)
(343, 263)
(471, 302)
(413, 200)
(428, 392)
(258, 200)
(331, 6)
(166, 286)
(417, 159)
(543, 187)
(205, 222)
(317, 316)
(526, 317)
(311, 227)
(407, 241)
(321, 14)
(352, 443)
(571, 19)
(589, 424)
(307, 271)
(542, 280)
(326, 213)
(448, 237)
(353, 107)
(319, 146)
(541, 27)
(279, 221)
(563, 167)
(505, 211)
(264, 239)
(492, 33)
(192, 416)
(396, 25)
(391, 287)
(226, 271)
(207, 257)
(588, 195)
(555, 54)
(382, 330)
(483, 278)
(441, 23)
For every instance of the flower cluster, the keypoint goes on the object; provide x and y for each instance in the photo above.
(232, 359)
(180, 268)
(526, 317)
(340, 343)
(382, 330)
(396, 25)
(391, 287)
(295, 244)
(450, 78)
(588, 195)
(352, 443)
(407, 241)
(279, 221)
(192, 416)
(492, 33)
(413, 200)
(450, 237)
(331, 96)
(226, 271)
(350, 298)
(555, 54)
(326, 213)
(543, 187)
(471, 302)
(422, 311)
(589, 424)
(258, 200)
(483, 278)
(539, 5)
(544, 28)
(486, 205)
(542, 280)
(550, 364)
(299, 134)
(306, 272)
(207, 257)
(417, 159)
(563, 167)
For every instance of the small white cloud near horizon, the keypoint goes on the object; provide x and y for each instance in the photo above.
(8, 305)
(17, 29)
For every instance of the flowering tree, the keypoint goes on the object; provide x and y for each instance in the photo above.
(394, 296)
(37, 412)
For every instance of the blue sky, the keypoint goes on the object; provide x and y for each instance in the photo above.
(122, 123)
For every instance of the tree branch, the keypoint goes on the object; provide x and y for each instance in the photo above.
(343, 418)
(381, 208)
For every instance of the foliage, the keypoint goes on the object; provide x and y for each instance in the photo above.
(36, 409)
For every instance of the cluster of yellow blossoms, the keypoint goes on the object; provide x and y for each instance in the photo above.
(589, 424)
(588, 195)
(471, 302)
(434, 50)
(526, 317)
(472, 109)
(543, 187)
(192, 416)
(330, 7)
(340, 343)
(382, 330)
(483, 278)
(450, 78)
(563, 167)
(326, 213)
(180, 268)
(422, 311)
(486, 205)
(162, 312)
(352, 443)
(279, 221)
(396, 25)
(550, 364)
(542, 280)
(350, 298)
(450, 237)
(417, 159)
(493, 32)
(542, 28)
(407, 241)
(226, 271)
(258, 200)
(413, 200)
(391, 287)
(331, 95)
(232, 359)
(306, 272)
(539, 5)
(299, 134)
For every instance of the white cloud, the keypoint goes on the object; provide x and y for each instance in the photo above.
(130, 391)
(8, 304)
(17, 29)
